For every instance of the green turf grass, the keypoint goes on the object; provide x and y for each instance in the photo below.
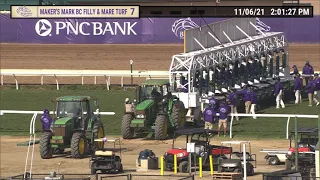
(39, 97)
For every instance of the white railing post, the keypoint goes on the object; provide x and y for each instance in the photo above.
(41, 81)
(17, 85)
(287, 132)
(57, 82)
(231, 122)
(82, 80)
(2, 77)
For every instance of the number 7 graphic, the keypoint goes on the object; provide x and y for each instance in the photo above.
(132, 10)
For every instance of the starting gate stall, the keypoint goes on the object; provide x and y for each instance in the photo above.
(248, 57)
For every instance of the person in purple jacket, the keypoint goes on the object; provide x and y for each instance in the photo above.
(295, 70)
(208, 116)
(223, 112)
(278, 92)
(253, 97)
(298, 82)
(246, 98)
(233, 102)
(317, 82)
(46, 120)
(307, 70)
(311, 88)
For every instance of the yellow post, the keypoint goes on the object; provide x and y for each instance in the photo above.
(200, 166)
(175, 164)
(211, 165)
(161, 166)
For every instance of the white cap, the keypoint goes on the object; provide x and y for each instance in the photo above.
(126, 100)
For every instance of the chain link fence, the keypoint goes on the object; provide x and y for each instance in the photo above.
(288, 177)
(291, 175)
(57, 176)
(101, 177)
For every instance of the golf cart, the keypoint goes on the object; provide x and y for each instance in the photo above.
(105, 160)
(203, 148)
(307, 140)
(234, 163)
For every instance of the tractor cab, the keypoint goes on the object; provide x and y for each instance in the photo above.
(201, 139)
(78, 108)
(152, 89)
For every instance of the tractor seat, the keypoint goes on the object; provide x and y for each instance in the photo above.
(103, 153)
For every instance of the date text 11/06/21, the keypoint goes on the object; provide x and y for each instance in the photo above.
(281, 11)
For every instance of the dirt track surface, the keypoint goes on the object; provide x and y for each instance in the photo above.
(112, 57)
(13, 157)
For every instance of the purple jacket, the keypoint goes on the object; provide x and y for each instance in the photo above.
(298, 84)
(295, 70)
(311, 86)
(277, 87)
(46, 121)
(317, 81)
(209, 114)
(246, 94)
(224, 110)
(232, 97)
(253, 97)
(307, 70)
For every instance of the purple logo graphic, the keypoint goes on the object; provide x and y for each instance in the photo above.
(180, 25)
(24, 11)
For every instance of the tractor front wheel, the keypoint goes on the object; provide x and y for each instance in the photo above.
(78, 145)
(98, 132)
(161, 129)
(46, 150)
(178, 115)
(126, 130)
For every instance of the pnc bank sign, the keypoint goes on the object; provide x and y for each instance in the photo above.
(45, 28)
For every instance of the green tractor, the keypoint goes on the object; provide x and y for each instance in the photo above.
(75, 126)
(157, 111)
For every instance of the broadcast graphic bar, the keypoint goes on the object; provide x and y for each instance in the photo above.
(226, 11)
(135, 11)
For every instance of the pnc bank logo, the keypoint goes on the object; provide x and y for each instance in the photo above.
(43, 28)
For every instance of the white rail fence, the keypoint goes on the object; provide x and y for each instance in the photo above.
(107, 74)
(288, 116)
(2, 112)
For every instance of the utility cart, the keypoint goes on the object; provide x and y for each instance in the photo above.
(203, 148)
(105, 160)
(235, 162)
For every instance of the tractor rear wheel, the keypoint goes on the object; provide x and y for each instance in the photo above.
(78, 145)
(161, 127)
(98, 132)
(46, 150)
(178, 115)
(126, 130)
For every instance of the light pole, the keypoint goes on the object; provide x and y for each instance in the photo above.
(131, 64)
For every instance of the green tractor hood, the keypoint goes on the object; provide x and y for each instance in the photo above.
(144, 105)
(62, 121)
